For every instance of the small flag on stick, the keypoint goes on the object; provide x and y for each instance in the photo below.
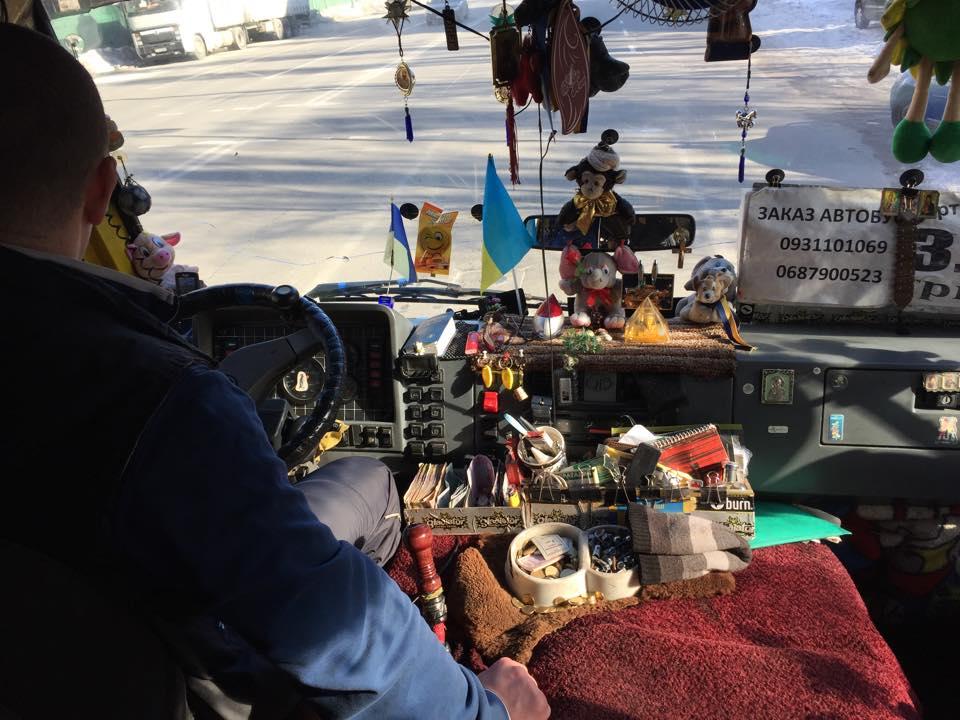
(397, 254)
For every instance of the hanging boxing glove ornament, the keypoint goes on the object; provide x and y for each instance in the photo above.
(132, 197)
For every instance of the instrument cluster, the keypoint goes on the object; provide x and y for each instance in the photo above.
(367, 388)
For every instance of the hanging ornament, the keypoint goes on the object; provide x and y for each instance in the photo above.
(403, 77)
(745, 120)
(505, 60)
(450, 27)
(569, 69)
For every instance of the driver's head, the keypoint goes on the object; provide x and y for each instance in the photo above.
(55, 175)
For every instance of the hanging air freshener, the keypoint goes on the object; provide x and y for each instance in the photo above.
(434, 240)
(450, 27)
(403, 77)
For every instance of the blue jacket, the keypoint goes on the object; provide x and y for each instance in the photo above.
(203, 517)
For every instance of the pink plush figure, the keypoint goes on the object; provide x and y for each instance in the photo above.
(598, 289)
(152, 255)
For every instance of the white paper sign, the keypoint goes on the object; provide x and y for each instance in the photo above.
(819, 246)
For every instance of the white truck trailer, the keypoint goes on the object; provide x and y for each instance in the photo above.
(275, 19)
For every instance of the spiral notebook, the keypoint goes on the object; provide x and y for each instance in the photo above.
(692, 451)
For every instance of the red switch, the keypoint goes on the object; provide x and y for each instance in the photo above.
(491, 402)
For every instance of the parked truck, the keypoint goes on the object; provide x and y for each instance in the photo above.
(186, 28)
(275, 19)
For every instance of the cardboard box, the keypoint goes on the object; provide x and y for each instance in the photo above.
(736, 508)
(507, 520)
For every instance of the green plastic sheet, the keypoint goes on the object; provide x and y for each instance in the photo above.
(780, 523)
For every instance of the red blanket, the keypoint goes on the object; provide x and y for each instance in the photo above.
(793, 641)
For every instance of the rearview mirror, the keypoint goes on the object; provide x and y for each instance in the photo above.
(62, 8)
(651, 231)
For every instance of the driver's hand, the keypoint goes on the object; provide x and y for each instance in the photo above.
(517, 689)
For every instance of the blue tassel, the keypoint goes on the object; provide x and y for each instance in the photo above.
(743, 162)
(409, 123)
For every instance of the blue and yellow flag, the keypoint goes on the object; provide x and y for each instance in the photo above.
(505, 239)
(397, 253)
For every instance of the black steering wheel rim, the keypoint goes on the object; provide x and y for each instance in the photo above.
(284, 298)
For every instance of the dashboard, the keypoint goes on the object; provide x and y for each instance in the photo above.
(891, 429)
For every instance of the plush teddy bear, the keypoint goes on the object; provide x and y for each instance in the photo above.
(716, 265)
(594, 281)
(595, 176)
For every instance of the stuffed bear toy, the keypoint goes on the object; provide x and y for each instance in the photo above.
(701, 307)
(593, 279)
(595, 176)
(716, 265)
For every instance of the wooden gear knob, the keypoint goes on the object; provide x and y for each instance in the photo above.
(419, 539)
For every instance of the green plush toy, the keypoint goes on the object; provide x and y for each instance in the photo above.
(923, 36)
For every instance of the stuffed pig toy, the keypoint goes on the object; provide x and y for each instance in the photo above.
(594, 281)
(152, 255)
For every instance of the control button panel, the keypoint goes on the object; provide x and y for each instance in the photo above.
(424, 433)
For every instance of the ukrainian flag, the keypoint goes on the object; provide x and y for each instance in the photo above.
(505, 239)
(397, 253)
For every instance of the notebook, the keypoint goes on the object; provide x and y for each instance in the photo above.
(692, 451)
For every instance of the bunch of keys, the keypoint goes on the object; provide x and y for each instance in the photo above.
(506, 367)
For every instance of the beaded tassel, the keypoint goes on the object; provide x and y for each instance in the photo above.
(408, 121)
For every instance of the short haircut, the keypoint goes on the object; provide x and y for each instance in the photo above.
(53, 132)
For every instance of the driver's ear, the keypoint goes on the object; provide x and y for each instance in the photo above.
(100, 187)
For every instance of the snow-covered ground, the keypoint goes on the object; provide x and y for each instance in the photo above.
(277, 163)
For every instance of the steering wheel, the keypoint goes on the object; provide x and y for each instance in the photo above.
(257, 368)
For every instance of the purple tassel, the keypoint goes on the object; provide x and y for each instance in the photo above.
(743, 162)
(409, 124)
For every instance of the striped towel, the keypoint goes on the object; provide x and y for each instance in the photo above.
(677, 546)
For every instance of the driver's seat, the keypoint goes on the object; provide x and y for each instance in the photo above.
(67, 650)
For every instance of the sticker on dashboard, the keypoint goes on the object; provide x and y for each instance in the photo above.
(836, 428)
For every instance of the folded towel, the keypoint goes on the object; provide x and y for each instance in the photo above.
(677, 546)
(482, 615)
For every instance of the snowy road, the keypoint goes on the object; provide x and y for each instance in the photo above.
(277, 163)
